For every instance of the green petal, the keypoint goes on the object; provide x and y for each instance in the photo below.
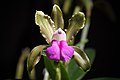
(46, 25)
(57, 17)
(34, 57)
(75, 24)
(82, 59)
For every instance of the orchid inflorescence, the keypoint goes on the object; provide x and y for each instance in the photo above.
(58, 39)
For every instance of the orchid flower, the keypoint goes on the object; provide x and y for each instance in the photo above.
(59, 49)
(58, 38)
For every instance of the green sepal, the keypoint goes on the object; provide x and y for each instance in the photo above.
(46, 25)
(57, 17)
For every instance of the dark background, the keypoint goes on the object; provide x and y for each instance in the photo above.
(18, 30)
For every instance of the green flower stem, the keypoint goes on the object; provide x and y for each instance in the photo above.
(85, 31)
(58, 73)
(46, 74)
(76, 10)
(84, 34)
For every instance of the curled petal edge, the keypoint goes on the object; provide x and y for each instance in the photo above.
(34, 57)
(82, 59)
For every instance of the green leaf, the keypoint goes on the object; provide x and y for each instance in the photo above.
(74, 68)
(49, 64)
(81, 42)
(105, 78)
(74, 72)
(82, 59)
(64, 74)
(78, 44)
(34, 57)
(91, 54)
(75, 24)
(46, 25)
(57, 17)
